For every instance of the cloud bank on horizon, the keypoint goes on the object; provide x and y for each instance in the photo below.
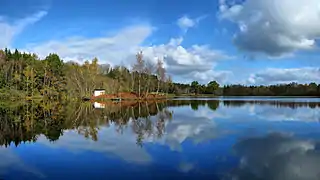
(203, 41)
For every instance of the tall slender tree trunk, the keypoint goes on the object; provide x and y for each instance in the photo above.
(148, 86)
(139, 87)
(44, 82)
(32, 82)
(158, 87)
(27, 86)
(132, 82)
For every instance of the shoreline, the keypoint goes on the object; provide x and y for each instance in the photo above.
(170, 96)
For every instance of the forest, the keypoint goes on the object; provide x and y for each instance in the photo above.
(24, 75)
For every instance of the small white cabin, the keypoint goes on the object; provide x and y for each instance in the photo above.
(98, 92)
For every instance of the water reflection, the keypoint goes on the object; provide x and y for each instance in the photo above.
(272, 110)
(98, 105)
(277, 156)
(197, 139)
(11, 161)
(274, 103)
(23, 122)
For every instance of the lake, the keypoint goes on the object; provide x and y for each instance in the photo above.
(224, 138)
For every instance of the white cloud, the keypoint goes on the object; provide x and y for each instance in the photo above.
(278, 75)
(110, 49)
(278, 157)
(196, 62)
(122, 47)
(274, 27)
(219, 76)
(185, 22)
(9, 30)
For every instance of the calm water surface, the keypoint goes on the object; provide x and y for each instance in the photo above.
(239, 139)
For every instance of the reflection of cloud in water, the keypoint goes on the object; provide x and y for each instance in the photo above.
(197, 129)
(221, 112)
(252, 110)
(268, 112)
(9, 160)
(184, 126)
(186, 167)
(277, 157)
(273, 113)
(110, 142)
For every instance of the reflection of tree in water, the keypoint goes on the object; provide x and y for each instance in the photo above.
(194, 105)
(86, 120)
(26, 121)
(146, 128)
(23, 123)
(213, 105)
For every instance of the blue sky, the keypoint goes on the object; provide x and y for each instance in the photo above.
(231, 41)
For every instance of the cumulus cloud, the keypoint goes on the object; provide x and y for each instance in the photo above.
(9, 30)
(278, 157)
(110, 49)
(278, 76)
(219, 76)
(185, 22)
(197, 62)
(274, 27)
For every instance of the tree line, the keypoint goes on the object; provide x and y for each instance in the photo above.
(291, 89)
(213, 88)
(25, 75)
